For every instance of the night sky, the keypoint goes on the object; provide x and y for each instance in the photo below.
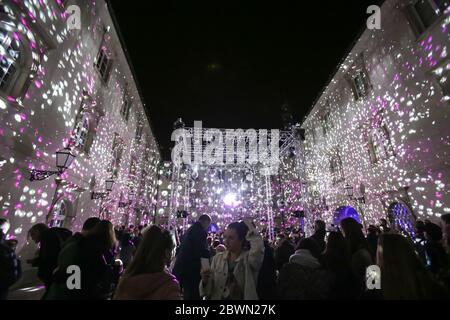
(232, 64)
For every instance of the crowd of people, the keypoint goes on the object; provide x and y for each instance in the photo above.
(238, 263)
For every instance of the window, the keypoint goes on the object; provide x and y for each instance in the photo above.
(103, 64)
(442, 75)
(139, 130)
(424, 13)
(326, 123)
(9, 58)
(81, 133)
(380, 147)
(59, 214)
(337, 171)
(125, 109)
(117, 150)
(360, 85)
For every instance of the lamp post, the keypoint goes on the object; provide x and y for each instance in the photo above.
(109, 183)
(64, 159)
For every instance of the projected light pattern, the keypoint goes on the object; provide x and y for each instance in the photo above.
(59, 99)
(394, 137)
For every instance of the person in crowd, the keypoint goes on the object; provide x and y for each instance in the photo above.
(147, 276)
(304, 278)
(127, 248)
(234, 273)
(320, 233)
(94, 255)
(360, 256)
(403, 275)
(434, 249)
(193, 247)
(384, 226)
(420, 241)
(10, 265)
(50, 241)
(336, 259)
(267, 278)
(87, 228)
(282, 253)
(372, 240)
(446, 231)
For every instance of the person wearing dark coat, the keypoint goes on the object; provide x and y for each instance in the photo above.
(193, 247)
(51, 241)
(319, 234)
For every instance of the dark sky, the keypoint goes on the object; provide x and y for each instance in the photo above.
(232, 64)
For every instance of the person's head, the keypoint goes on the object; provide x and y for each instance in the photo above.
(89, 225)
(104, 235)
(433, 232)
(216, 243)
(311, 245)
(154, 252)
(36, 232)
(4, 226)
(205, 221)
(403, 275)
(372, 229)
(336, 249)
(234, 237)
(319, 225)
(420, 226)
(353, 234)
(383, 222)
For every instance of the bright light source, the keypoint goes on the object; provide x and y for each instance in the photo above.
(230, 200)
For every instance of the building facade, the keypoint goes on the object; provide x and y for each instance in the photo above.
(378, 136)
(66, 82)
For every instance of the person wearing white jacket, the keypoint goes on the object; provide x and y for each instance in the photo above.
(233, 274)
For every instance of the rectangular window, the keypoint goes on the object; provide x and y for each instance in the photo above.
(426, 12)
(125, 109)
(442, 75)
(103, 64)
(361, 85)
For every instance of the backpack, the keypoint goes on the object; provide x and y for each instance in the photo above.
(10, 266)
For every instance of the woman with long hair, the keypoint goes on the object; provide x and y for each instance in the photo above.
(147, 276)
(403, 275)
(337, 261)
(360, 257)
(234, 273)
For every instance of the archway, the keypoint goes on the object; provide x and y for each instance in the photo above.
(401, 218)
(344, 212)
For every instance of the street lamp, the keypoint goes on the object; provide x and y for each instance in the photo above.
(109, 183)
(349, 190)
(64, 159)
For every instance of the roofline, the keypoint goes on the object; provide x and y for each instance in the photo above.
(133, 73)
(338, 67)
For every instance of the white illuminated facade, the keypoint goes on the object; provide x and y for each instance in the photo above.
(381, 125)
(70, 88)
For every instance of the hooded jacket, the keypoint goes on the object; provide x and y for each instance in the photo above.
(148, 286)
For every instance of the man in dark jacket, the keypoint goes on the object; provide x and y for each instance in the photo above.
(193, 247)
(51, 241)
(319, 234)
